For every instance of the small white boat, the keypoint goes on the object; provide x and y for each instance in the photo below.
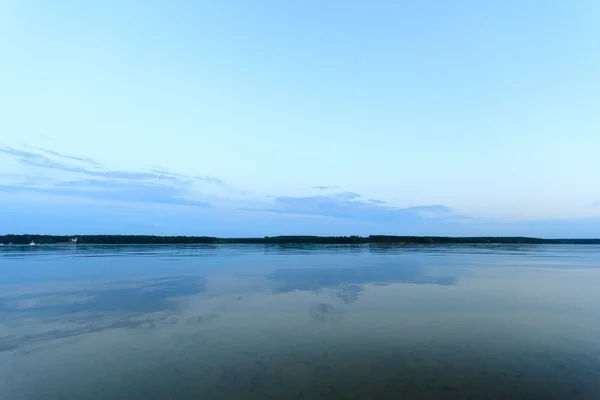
(32, 243)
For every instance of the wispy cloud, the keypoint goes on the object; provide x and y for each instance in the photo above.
(348, 205)
(40, 160)
(432, 211)
(374, 201)
(324, 187)
(347, 195)
(162, 173)
(89, 178)
(67, 157)
(211, 179)
(131, 191)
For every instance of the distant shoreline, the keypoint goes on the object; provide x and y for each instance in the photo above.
(372, 240)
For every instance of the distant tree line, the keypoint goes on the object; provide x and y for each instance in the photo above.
(373, 239)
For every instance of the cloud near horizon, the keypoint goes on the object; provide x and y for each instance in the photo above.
(49, 173)
(90, 179)
(348, 205)
(324, 187)
(67, 157)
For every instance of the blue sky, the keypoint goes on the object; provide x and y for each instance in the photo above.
(267, 117)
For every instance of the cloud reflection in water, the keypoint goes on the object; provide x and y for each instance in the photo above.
(348, 282)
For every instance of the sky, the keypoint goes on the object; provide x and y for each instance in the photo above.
(264, 117)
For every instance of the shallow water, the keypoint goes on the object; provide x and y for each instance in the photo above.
(300, 322)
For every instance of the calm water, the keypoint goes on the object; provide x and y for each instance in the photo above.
(309, 322)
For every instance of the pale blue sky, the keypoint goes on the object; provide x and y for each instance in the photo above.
(309, 117)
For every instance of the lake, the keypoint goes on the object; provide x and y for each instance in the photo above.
(300, 322)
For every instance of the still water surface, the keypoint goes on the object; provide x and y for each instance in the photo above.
(300, 322)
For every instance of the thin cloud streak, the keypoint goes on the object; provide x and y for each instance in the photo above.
(67, 157)
(42, 161)
(98, 190)
(346, 205)
(93, 182)
(324, 213)
(324, 187)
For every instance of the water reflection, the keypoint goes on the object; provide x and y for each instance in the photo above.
(331, 322)
(76, 311)
(314, 249)
(323, 312)
(145, 296)
(348, 293)
(348, 282)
